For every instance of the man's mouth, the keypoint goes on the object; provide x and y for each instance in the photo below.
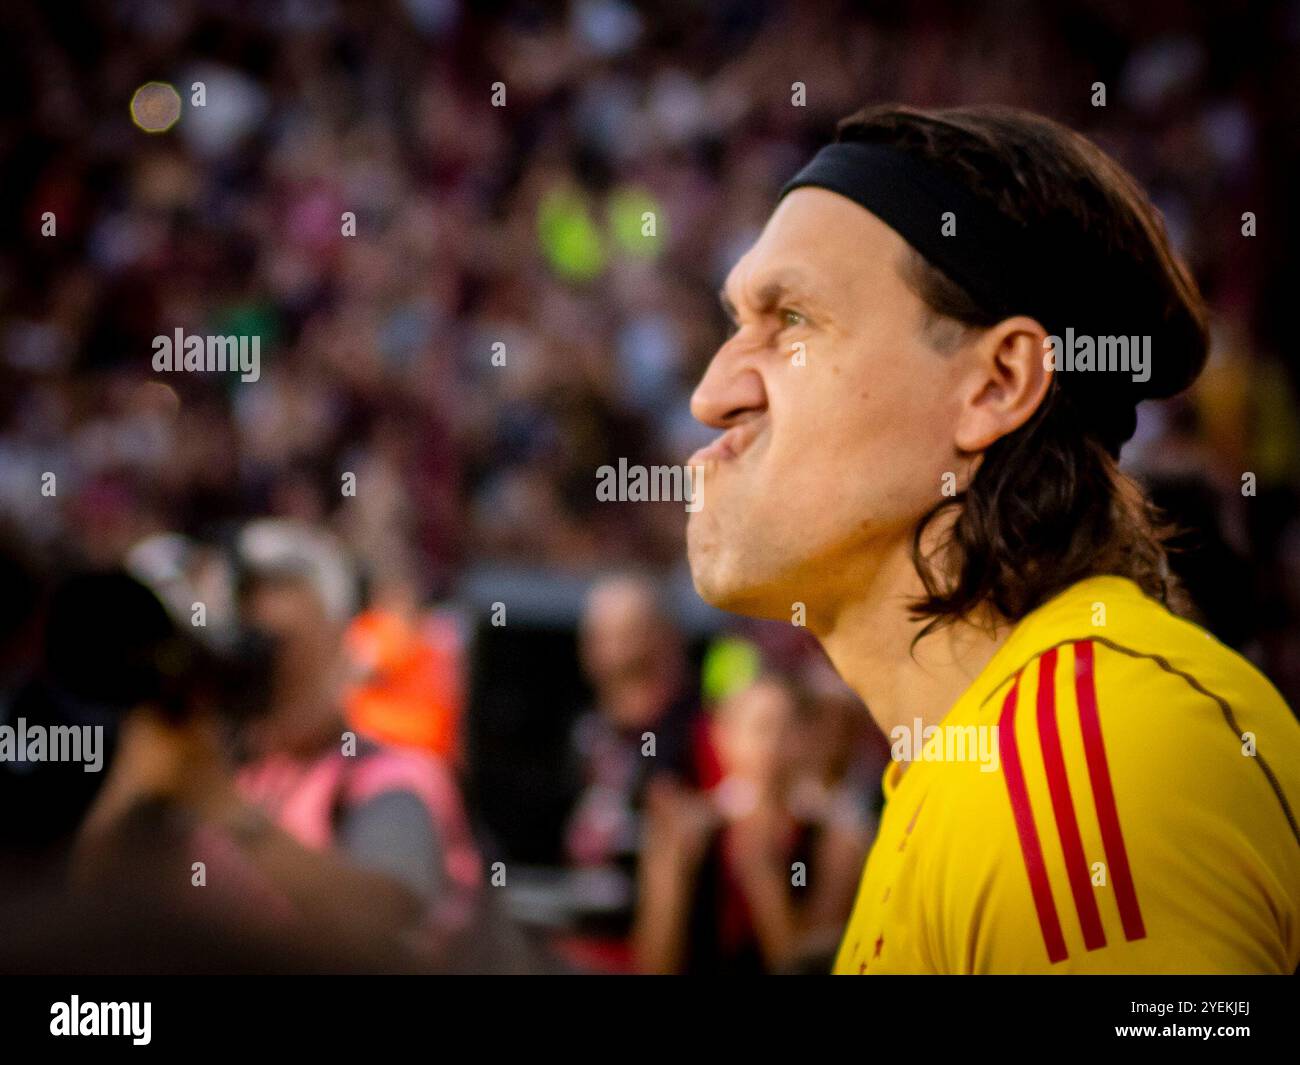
(729, 445)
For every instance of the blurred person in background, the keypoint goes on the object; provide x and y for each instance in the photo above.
(744, 877)
(166, 868)
(644, 723)
(410, 687)
(54, 796)
(395, 811)
(839, 755)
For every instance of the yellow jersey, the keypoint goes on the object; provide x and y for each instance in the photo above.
(1116, 793)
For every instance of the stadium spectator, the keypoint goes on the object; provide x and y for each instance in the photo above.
(644, 723)
(757, 873)
(392, 810)
(166, 869)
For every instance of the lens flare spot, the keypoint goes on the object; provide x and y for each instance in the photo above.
(155, 107)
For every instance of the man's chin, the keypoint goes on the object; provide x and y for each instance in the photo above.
(726, 571)
(724, 586)
(706, 574)
(711, 590)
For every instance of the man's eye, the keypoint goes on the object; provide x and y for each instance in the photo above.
(792, 318)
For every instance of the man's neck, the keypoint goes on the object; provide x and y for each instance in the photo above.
(869, 641)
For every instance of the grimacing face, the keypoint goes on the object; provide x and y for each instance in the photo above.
(824, 468)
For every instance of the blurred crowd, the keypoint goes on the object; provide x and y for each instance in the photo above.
(279, 789)
(545, 199)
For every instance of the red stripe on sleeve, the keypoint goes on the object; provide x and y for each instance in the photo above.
(1030, 849)
(1058, 786)
(1112, 837)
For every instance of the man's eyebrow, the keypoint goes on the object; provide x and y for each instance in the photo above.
(785, 285)
(773, 293)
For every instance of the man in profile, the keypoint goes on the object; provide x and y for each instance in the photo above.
(905, 461)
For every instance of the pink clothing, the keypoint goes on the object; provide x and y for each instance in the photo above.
(306, 798)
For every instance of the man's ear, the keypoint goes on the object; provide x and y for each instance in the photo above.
(1007, 374)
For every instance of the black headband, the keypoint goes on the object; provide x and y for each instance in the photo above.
(1045, 272)
(980, 249)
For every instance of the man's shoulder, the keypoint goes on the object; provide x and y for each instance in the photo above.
(1144, 664)
(1117, 714)
(1145, 773)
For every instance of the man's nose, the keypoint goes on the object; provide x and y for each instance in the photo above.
(730, 388)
